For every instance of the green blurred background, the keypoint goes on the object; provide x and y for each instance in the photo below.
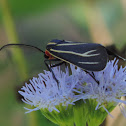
(36, 23)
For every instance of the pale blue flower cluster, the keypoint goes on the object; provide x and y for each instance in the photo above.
(43, 92)
(111, 86)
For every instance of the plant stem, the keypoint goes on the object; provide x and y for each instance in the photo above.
(17, 54)
(12, 36)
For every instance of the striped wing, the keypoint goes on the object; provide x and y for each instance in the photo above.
(88, 56)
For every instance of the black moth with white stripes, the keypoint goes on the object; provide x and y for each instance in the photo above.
(88, 56)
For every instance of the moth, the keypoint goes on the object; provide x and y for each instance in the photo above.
(87, 56)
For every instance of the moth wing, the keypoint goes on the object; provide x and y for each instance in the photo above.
(88, 56)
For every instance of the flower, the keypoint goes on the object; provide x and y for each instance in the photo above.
(111, 86)
(79, 97)
(44, 92)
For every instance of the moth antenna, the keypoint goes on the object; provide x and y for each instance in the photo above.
(111, 53)
(22, 46)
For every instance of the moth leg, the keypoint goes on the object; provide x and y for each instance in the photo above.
(92, 76)
(50, 69)
(53, 60)
(58, 64)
